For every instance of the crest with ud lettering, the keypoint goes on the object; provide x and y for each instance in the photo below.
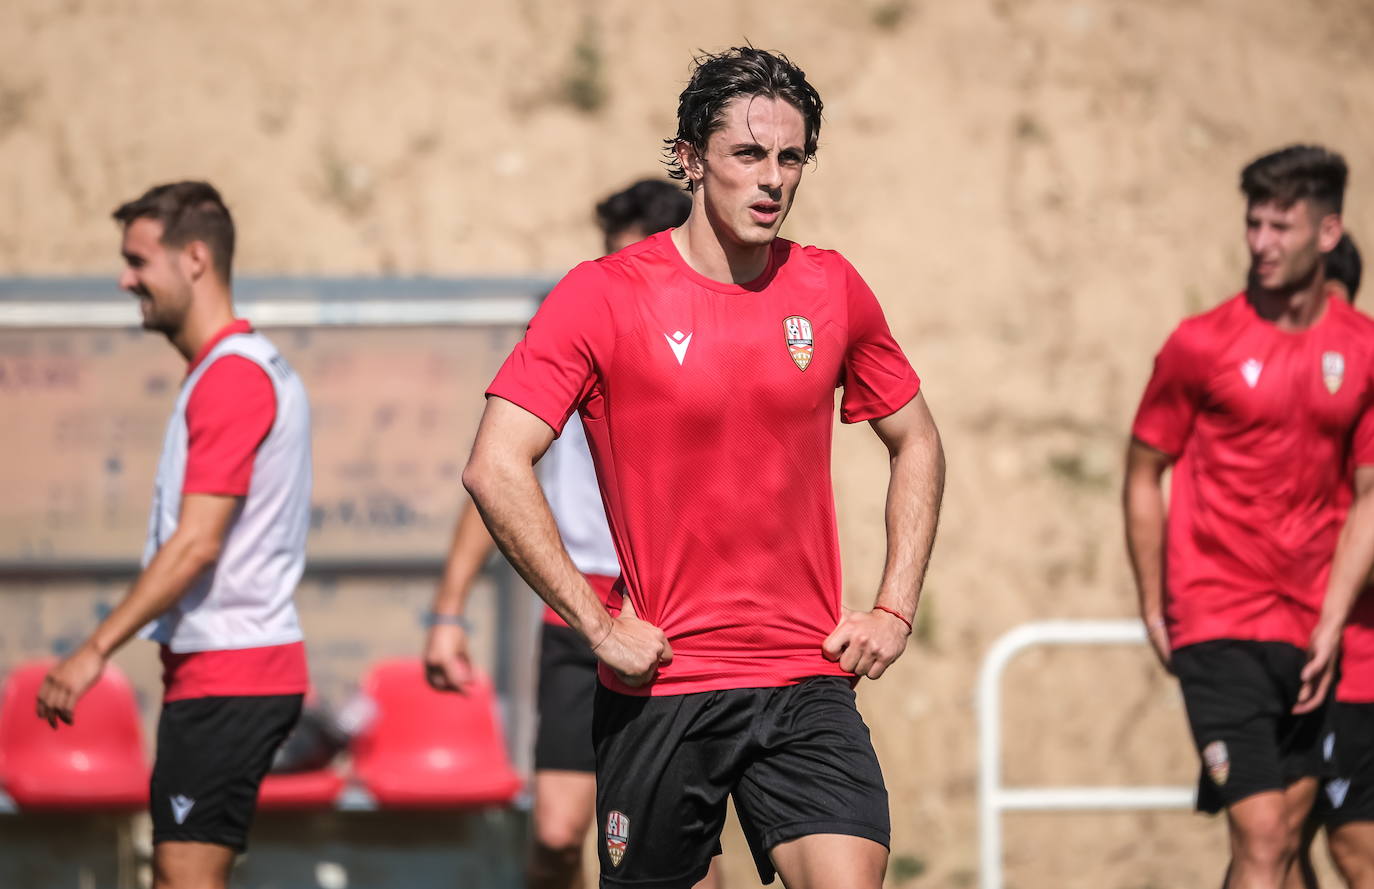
(801, 342)
(617, 836)
(1217, 759)
(1333, 371)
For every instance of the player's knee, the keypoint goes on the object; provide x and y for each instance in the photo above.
(1266, 841)
(1354, 860)
(551, 866)
(560, 835)
(176, 873)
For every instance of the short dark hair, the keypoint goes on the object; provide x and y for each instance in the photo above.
(650, 205)
(188, 211)
(739, 71)
(1343, 265)
(1294, 173)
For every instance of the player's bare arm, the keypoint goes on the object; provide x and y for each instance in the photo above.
(447, 667)
(1349, 572)
(866, 643)
(194, 547)
(1142, 498)
(500, 477)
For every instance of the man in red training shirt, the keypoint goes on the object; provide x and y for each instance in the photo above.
(1259, 406)
(703, 362)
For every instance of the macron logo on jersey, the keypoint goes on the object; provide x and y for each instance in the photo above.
(678, 342)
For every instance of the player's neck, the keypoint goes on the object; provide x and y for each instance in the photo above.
(710, 255)
(206, 317)
(1292, 309)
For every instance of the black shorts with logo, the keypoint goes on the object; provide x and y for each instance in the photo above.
(1239, 695)
(797, 760)
(212, 754)
(567, 688)
(1348, 795)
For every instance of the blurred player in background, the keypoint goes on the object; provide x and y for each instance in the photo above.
(564, 761)
(225, 547)
(703, 363)
(1346, 805)
(1260, 406)
(1344, 268)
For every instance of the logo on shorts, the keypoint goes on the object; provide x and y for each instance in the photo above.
(1329, 746)
(1336, 789)
(1218, 762)
(1333, 370)
(1251, 371)
(617, 836)
(181, 807)
(800, 341)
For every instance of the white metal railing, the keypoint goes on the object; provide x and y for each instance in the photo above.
(993, 798)
(288, 302)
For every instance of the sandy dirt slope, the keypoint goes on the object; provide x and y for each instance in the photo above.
(1037, 189)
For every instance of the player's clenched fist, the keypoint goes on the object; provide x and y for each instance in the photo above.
(865, 643)
(633, 649)
(447, 667)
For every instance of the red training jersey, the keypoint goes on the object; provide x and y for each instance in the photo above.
(604, 587)
(1264, 423)
(228, 415)
(709, 410)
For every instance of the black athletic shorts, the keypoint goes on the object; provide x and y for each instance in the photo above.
(212, 754)
(567, 687)
(797, 760)
(1349, 751)
(1239, 695)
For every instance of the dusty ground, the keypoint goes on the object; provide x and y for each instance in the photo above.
(1037, 189)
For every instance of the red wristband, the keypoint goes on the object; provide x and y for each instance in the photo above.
(896, 614)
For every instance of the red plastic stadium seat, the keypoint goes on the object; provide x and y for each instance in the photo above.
(302, 790)
(432, 749)
(97, 763)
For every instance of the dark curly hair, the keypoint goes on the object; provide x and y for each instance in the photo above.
(650, 205)
(1295, 173)
(739, 71)
(1343, 265)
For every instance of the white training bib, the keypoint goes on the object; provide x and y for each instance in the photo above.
(245, 599)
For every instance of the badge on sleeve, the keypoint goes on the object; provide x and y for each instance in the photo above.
(800, 341)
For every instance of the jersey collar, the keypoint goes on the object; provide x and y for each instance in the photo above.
(238, 325)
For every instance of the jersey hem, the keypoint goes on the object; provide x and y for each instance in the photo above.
(218, 490)
(1194, 639)
(239, 691)
(522, 400)
(671, 687)
(878, 412)
(200, 647)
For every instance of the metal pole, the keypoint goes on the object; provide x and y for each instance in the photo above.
(992, 797)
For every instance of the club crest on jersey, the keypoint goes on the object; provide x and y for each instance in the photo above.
(800, 342)
(1333, 371)
(1251, 371)
(1218, 762)
(617, 836)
